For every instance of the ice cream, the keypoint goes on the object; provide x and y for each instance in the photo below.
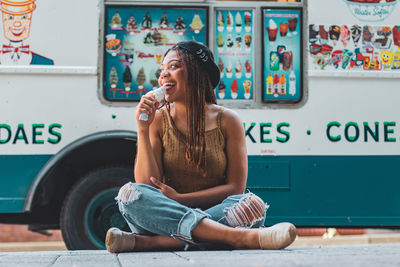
(131, 24)
(180, 24)
(334, 33)
(238, 22)
(283, 28)
(116, 21)
(113, 77)
(247, 67)
(272, 30)
(344, 35)
(234, 89)
(312, 33)
(228, 69)
(164, 23)
(154, 83)
(238, 69)
(238, 40)
(396, 35)
(247, 87)
(141, 78)
(113, 45)
(220, 21)
(146, 21)
(323, 34)
(367, 34)
(229, 22)
(293, 25)
(127, 79)
(247, 40)
(221, 89)
(220, 42)
(247, 21)
(158, 95)
(197, 24)
(355, 34)
(229, 41)
(221, 67)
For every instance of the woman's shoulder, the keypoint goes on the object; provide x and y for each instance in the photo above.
(230, 120)
(159, 120)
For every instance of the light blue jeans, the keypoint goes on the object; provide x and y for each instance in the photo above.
(148, 211)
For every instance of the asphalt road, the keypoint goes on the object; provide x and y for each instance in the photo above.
(341, 256)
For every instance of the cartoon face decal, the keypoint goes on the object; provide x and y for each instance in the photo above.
(386, 57)
(16, 27)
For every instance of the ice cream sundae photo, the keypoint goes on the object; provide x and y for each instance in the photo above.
(238, 69)
(221, 67)
(247, 21)
(247, 87)
(196, 24)
(272, 30)
(220, 42)
(115, 23)
(221, 90)
(220, 21)
(229, 22)
(247, 41)
(238, 22)
(247, 67)
(113, 45)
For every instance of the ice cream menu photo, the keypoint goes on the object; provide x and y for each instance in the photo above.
(234, 53)
(282, 54)
(136, 38)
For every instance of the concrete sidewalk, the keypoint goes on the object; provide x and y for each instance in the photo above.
(380, 255)
(300, 242)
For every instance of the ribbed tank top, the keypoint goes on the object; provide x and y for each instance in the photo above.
(181, 175)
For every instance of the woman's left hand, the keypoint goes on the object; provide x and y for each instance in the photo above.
(165, 189)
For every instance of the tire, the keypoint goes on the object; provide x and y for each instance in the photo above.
(90, 209)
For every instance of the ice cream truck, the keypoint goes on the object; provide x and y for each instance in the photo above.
(315, 82)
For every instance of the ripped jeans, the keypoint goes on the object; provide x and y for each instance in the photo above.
(148, 211)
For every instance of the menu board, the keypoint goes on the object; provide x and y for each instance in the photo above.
(282, 54)
(136, 38)
(234, 53)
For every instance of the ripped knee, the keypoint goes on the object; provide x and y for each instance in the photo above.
(247, 212)
(128, 193)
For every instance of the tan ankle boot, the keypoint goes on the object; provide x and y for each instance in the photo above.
(118, 241)
(277, 236)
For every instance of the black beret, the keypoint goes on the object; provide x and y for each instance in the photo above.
(205, 57)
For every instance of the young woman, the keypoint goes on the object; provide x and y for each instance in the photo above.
(191, 168)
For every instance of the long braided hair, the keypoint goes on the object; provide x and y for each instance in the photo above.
(199, 91)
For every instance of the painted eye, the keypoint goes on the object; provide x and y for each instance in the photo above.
(10, 17)
(24, 16)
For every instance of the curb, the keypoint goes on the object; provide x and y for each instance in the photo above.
(300, 242)
(304, 242)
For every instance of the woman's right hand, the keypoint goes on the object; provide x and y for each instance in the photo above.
(147, 105)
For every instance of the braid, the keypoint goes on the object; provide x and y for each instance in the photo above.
(199, 91)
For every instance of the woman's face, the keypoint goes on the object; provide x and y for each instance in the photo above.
(173, 76)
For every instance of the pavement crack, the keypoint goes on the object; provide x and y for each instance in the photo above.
(119, 262)
(54, 260)
(182, 257)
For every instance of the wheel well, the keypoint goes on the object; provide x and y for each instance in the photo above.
(58, 180)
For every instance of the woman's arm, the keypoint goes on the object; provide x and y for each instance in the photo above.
(236, 173)
(148, 154)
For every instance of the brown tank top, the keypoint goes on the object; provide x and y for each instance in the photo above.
(181, 175)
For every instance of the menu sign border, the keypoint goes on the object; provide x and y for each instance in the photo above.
(106, 75)
(266, 52)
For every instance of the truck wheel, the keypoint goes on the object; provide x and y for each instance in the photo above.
(90, 209)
